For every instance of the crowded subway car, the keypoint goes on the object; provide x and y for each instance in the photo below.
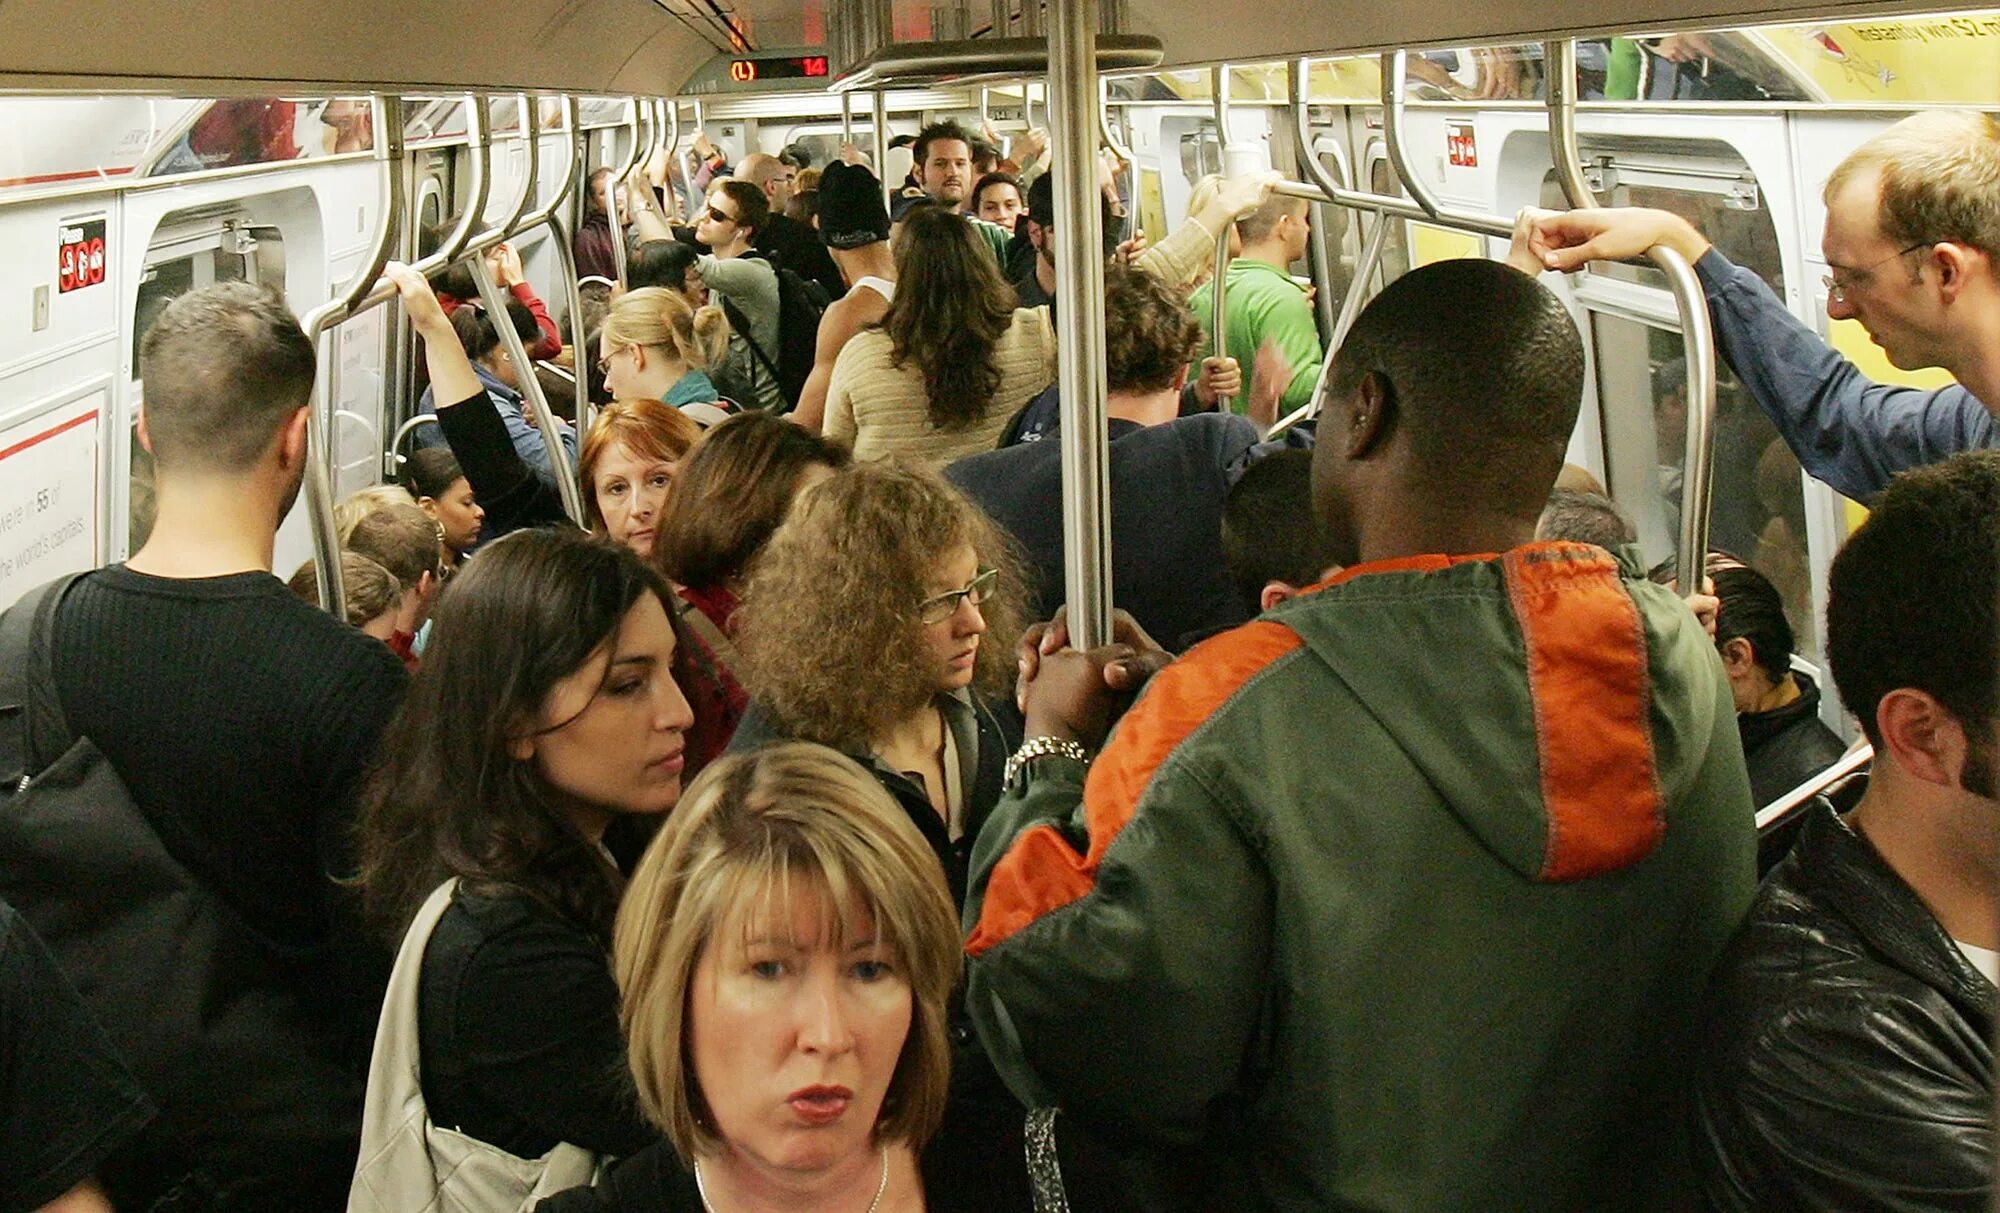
(1105, 605)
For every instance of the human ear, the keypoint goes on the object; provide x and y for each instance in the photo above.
(1954, 265)
(1923, 738)
(1368, 419)
(1737, 656)
(1275, 592)
(145, 439)
(292, 439)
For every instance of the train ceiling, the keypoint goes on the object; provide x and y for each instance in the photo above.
(229, 47)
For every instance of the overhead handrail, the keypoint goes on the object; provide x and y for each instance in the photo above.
(394, 461)
(386, 116)
(611, 185)
(551, 214)
(494, 234)
(1085, 436)
(1697, 330)
(1298, 74)
(1848, 765)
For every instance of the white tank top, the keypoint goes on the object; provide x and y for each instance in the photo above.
(881, 286)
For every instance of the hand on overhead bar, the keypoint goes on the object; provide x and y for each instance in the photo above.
(1568, 240)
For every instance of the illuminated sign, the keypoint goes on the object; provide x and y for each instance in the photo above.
(80, 255)
(797, 67)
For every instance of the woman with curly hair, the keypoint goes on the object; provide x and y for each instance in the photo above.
(879, 616)
(491, 822)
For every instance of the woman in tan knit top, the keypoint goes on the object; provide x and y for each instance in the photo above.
(954, 358)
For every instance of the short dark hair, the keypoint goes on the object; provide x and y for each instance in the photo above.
(1753, 610)
(753, 209)
(479, 337)
(660, 263)
(992, 179)
(1268, 530)
(1910, 600)
(983, 152)
(731, 492)
(1040, 203)
(431, 471)
(1489, 390)
(920, 147)
(1149, 334)
(1581, 516)
(224, 368)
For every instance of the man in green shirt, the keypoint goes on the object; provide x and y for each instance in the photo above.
(1263, 303)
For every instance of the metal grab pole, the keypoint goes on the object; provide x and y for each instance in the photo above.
(386, 117)
(1697, 329)
(880, 103)
(1297, 77)
(1394, 65)
(530, 388)
(1119, 149)
(1086, 467)
(1218, 322)
(566, 256)
(846, 118)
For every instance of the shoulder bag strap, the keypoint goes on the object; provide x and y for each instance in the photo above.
(28, 691)
(715, 638)
(743, 326)
(394, 1115)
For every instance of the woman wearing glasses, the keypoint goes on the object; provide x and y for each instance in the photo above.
(879, 618)
(655, 345)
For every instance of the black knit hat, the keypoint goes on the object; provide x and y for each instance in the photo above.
(851, 213)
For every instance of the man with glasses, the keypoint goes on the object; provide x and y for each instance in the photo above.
(786, 241)
(1912, 232)
(747, 287)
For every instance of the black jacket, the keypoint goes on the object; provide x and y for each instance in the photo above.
(1846, 1062)
(970, 719)
(796, 247)
(1787, 746)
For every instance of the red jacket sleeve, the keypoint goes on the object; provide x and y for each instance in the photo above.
(551, 343)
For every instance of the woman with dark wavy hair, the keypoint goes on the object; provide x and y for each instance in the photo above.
(546, 708)
(952, 359)
(879, 619)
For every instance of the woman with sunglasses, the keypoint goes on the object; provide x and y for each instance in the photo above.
(878, 620)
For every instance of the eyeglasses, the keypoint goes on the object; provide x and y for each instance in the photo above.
(1836, 290)
(720, 216)
(945, 605)
(604, 363)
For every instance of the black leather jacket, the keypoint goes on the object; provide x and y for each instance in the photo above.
(1787, 746)
(1847, 1060)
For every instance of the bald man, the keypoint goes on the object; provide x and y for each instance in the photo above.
(783, 239)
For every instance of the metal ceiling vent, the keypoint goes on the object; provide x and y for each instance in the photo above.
(996, 40)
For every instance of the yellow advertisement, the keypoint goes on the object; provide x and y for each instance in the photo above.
(1853, 342)
(1953, 58)
(1429, 244)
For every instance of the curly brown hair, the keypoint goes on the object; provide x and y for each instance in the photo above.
(1150, 336)
(829, 629)
(951, 308)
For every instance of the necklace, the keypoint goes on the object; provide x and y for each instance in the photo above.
(880, 1187)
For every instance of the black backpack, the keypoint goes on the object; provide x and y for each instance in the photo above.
(801, 302)
(204, 1011)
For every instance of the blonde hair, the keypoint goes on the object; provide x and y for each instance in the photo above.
(372, 591)
(363, 502)
(1940, 179)
(829, 631)
(658, 318)
(747, 833)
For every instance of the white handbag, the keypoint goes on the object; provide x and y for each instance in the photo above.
(408, 1164)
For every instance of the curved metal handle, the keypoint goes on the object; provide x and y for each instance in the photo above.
(566, 179)
(1218, 313)
(1697, 329)
(880, 104)
(479, 145)
(500, 233)
(1218, 87)
(1394, 64)
(611, 184)
(1105, 134)
(386, 119)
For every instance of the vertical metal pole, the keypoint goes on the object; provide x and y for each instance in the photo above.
(1218, 314)
(530, 387)
(620, 170)
(1394, 66)
(880, 101)
(846, 118)
(1086, 464)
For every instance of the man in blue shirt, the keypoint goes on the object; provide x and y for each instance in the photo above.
(1911, 238)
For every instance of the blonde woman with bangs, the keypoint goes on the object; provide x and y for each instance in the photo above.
(786, 953)
(877, 618)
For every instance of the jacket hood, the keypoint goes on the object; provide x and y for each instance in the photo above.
(1544, 693)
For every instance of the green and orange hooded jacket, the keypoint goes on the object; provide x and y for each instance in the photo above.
(1399, 897)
